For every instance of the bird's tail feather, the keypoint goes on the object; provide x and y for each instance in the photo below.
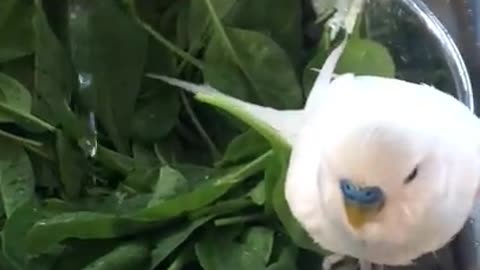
(282, 126)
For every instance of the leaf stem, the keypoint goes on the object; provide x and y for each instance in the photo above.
(238, 219)
(223, 207)
(223, 35)
(169, 45)
(114, 160)
(221, 31)
(213, 148)
(26, 118)
(31, 145)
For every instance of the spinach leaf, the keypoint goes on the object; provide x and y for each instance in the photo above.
(361, 57)
(14, 94)
(215, 253)
(72, 167)
(108, 51)
(280, 20)
(16, 30)
(247, 145)
(14, 234)
(168, 241)
(247, 64)
(131, 255)
(16, 177)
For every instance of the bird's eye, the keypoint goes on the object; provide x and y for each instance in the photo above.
(412, 175)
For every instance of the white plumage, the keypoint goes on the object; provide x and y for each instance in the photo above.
(374, 131)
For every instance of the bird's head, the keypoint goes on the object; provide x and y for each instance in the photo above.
(384, 169)
(397, 185)
(378, 174)
(382, 185)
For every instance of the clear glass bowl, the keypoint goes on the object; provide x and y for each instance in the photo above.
(425, 52)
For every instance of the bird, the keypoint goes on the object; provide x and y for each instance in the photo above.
(381, 169)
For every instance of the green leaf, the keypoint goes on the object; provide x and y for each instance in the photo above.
(142, 179)
(204, 193)
(156, 115)
(81, 225)
(15, 29)
(4, 262)
(170, 240)
(286, 261)
(71, 163)
(14, 234)
(55, 79)
(14, 94)
(245, 146)
(16, 177)
(361, 57)
(25, 120)
(280, 20)
(78, 254)
(170, 182)
(186, 256)
(114, 160)
(108, 50)
(250, 69)
(259, 240)
(218, 253)
(366, 57)
(258, 193)
(158, 105)
(88, 225)
(199, 19)
(132, 255)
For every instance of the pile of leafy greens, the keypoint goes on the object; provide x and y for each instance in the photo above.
(104, 167)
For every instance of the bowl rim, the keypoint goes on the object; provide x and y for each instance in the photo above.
(449, 49)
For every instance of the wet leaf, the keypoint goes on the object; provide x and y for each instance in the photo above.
(14, 234)
(71, 163)
(81, 225)
(55, 79)
(16, 177)
(108, 51)
(215, 253)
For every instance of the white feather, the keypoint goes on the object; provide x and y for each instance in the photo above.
(285, 122)
(373, 131)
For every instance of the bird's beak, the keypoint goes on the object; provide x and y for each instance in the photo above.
(358, 215)
(362, 204)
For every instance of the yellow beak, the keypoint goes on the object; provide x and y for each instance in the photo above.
(357, 216)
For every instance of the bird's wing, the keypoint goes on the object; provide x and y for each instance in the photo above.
(281, 126)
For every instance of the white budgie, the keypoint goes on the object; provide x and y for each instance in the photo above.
(381, 169)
